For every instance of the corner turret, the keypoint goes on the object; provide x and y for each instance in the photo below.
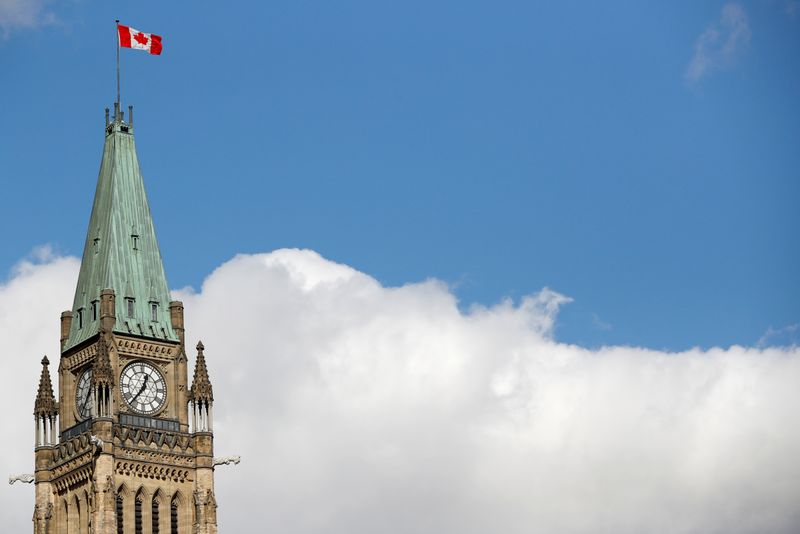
(45, 409)
(102, 378)
(201, 394)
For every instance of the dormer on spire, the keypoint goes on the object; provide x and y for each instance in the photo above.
(45, 409)
(201, 394)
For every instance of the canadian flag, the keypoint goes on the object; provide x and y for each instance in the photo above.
(130, 38)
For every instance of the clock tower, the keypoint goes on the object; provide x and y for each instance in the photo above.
(118, 452)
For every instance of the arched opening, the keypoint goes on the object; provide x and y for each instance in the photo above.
(174, 519)
(73, 523)
(120, 514)
(83, 513)
(141, 511)
(124, 510)
(180, 509)
(87, 499)
(154, 516)
(159, 513)
(137, 514)
(63, 516)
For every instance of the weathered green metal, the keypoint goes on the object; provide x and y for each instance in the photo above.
(121, 250)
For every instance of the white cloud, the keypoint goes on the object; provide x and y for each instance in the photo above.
(719, 45)
(23, 14)
(363, 408)
(29, 329)
(786, 336)
(600, 324)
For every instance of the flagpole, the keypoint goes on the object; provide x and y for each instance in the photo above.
(119, 103)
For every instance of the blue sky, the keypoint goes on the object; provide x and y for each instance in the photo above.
(639, 157)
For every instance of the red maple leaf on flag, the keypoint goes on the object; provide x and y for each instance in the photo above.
(130, 38)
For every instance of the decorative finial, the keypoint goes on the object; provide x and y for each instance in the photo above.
(201, 389)
(45, 400)
(102, 373)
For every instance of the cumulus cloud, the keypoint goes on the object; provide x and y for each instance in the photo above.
(363, 408)
(786, 336)
(23, 14)
(719, 45)
(29, 302)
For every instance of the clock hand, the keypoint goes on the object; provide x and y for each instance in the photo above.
(141, 389)
(86, 401)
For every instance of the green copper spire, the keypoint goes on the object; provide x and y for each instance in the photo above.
(121, 251)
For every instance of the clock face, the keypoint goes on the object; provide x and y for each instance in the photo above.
(83, 395)
(143, 387)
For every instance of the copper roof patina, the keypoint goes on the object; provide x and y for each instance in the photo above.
(121, 250)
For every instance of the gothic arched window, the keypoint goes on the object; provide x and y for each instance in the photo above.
(137, 517)
(76, 516)
(120, 524)
(173, 517)
(154, 515)
(64, 513)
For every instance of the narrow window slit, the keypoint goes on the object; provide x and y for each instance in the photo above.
(154, 515)
(120, 524)
(137, 518)
(173, 519)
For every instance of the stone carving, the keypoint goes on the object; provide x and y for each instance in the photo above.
(141, 437)
(109, 497)
(73, 464)
(165, 458)
(42, 515)
(75, 446)
(79, 358)
(25, 479)
(73, 478)
(135, 469)
(199, 511)
(211, 508)
(227, 460)
(131, 348)
(98, 443)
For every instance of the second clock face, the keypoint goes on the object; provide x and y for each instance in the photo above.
(143, 387)
(83, 395)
